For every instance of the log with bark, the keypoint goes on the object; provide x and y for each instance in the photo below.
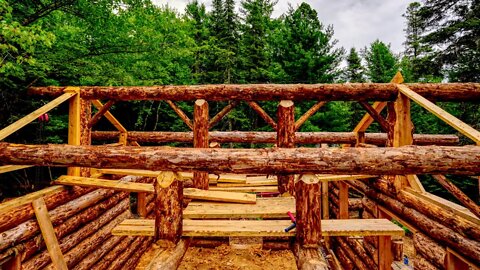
(378, 139)
(371, 250)
(359, 250)
(429, 249)
(168, 210)
(200, 138)
(308, 211)
(458, 193)
(360, 264)
(93, 257)
(286, 139)
(127, 253)
(437, 231)
(170, 258)
(374, 161)
(309, 258)
(326, 92)
(132, 262)
(346, 263)
(397, 250)
(112, 254)
(423, 264)
(90, 231)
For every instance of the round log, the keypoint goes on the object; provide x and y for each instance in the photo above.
(222, 92)
(374, 161)
(132, 262)
(309, 215)
(360, 252)
(168, 211)
(94, 257)
(350, 253)
(379, 139)
(200, 138)
(113, 254)
(127, 253)
(423, 264)
(309, 258)
(372, 251)
(286, 139)
(346, 263)
(429, 249)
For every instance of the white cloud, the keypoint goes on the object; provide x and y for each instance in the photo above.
(357, 23)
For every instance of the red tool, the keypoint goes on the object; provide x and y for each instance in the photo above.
(294, 222)
(43, 118)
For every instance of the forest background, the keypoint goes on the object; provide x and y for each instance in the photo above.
(134, 42)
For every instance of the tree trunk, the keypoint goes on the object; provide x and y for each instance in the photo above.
(429, 249)
(309, 258)
(455, 191)
(200, 138)
(114, 253)
(94, 257)
(326, 92)
(379, 139)
(286, 139)
(132, 262)
(168, 211)
(308, 208)
(360, 252)
(374, 161)
(171, 258)
(360, 264)
(346, 263)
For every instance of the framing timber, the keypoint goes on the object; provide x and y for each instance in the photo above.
(180, 113)
(379, 139)
(463, 160)
(48, 234)
(99, 105)
(29, 198)
(375, 115)
(74, 124)
(100, 113)
(249, 92)
(200, 138)
(440, 113)
(457, 193)
(263, 114)
(308, 114)
(10, 168)
(309, 214)
(7, 131)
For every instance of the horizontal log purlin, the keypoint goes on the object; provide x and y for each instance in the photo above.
(271, 137)
(250, 92)
(382, 161)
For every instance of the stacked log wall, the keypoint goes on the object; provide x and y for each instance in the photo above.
(436, 228)
(352, 253)
(83, 219)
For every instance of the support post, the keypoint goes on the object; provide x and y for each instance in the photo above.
(309, 217)
(142, 204)
(286, 139)
(85, 130)
(343, 199)
(385, 256)
(168, 207)
(74, 124)
(200, 138)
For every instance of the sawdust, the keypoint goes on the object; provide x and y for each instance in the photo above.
(224, 257)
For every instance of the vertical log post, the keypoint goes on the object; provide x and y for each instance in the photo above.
(74, 124)
(168, 207)
(286, 139)
(200, 138)
(309, 215)
(142, 204)
(343, 200)
(85, 130)
(385, 256)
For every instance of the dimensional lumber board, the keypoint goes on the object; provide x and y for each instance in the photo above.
(327, 178)
(224, 228)
(17, 202)
(219, 196)
(246, 189)
(219, 178)
(9, 168)
(276, 207)
(251, 183)
(145, 173)
(102, 183)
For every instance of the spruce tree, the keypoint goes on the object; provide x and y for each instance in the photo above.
(381, 63)
(354, 72)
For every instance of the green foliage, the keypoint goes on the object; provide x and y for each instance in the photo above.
(381, 63)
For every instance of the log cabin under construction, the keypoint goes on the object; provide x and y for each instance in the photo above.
(203, 196)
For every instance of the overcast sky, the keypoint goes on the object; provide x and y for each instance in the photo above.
(356, 22)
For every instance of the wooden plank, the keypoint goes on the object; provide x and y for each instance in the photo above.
(74, 124)
(10, 168)
(145, 173)
(223, 228)
(48, 233)
(250, 183)
(26, 199)
(276, 207)
(110, 117)
(222, 178)
(448, 205)
(440, 113)
(343, 200)
(246, 189)
(328, 178)
(102, 183)
(7, 131)
(219, 196)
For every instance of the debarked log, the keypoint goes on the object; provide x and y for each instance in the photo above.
(374, 161)
(325, 92)
(379, 139)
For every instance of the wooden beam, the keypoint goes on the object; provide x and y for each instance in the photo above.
(463, 160)
(286, 139)
(14, 263)
(309, 214)
(246, 189)
(263, 114)
(458, 193)
(7, 131)
(10, 168)
(219, 116)
(74, 125)
(180, 113)
(308, 114)
(110, 117)
(102, 183)
(29, 198)
(440, 113)
(219, 196)
(385, 256)
(455, 261)
(48, 234)
(343, 200)
(375, 115)
(271, 137)
(367, 119)
(330, 178)
(142, 204)
(100, 113)
(249, 92)
(200, 138)
(169, 257)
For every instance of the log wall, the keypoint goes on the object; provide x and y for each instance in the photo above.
(83, 219)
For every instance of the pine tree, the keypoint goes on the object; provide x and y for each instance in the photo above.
(381, 63)
(354, 71)
(255, 58)
(197, 14)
